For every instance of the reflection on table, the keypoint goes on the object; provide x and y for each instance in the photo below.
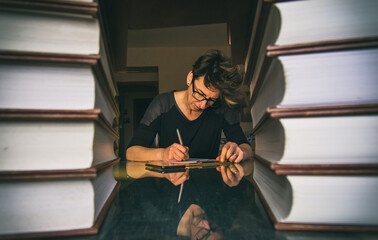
(215, 204)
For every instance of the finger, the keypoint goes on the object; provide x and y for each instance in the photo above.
(171, 154)
(178, 155)
(174, 176)
(231, 151)
(180, 175)
(240, 169)
(180, 147)
(178, 179)
(240, 156)
(224, 175)
(186, 153)
(233, 169)
(218, 168)
(229, 154)
(239, 175)
(183, 178)
(233, 157)
(234, 177)
(224, 152)
(182, 152)
(230, 174)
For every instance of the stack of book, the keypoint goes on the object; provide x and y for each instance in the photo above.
(58, 119)
(314, 105)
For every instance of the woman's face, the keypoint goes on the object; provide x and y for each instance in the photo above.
(201, 97)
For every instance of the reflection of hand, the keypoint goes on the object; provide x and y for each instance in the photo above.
(231, 152)
(177, 178)
(232, 174)
(176, 152)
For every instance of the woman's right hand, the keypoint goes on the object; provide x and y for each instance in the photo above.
(175, 152)
(177, 178)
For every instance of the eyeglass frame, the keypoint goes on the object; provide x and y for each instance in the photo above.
(206, 231)
(204, 236)
(214, 101)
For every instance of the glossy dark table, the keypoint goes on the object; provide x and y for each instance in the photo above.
(146, 207)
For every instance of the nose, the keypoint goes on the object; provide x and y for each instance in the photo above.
(203, 104)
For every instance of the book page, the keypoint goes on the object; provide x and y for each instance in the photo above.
(194, 161)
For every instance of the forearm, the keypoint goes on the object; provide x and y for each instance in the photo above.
(138, 170)
(247, 150)
(139, 153)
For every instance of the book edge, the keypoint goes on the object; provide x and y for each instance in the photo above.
(319, 169)
(91, 172)
(314, 111)
(82, 8)
(321, 46)
(57, 114)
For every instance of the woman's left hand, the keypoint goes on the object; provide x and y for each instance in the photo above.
(232, 174)
(231, 152)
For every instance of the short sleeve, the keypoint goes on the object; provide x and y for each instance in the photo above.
(150, 123)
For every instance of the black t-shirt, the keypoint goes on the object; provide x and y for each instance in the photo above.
(201, 135)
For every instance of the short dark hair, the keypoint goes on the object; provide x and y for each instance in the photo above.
(219, 73)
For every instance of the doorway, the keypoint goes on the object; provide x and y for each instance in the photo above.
(133, 102)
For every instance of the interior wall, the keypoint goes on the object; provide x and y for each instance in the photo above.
(174, 62)
(127, 96)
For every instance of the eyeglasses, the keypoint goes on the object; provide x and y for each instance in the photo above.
(203, 234)
(210, 102)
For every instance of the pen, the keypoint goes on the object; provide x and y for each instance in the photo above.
(182, 184)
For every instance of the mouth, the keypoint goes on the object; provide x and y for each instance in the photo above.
(196, 108)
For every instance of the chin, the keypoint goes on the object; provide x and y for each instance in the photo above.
(196, 109)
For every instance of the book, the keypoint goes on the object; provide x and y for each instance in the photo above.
(32, 38)
(332, 78)
(314, 108)
(28, 26)
(291, 26)
(316, 21)
(60, 206)
(51, 140)
(318, 202)
(321, 137)
(55, 81)
(181, 166)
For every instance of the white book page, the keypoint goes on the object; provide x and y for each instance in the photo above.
(36, 206)
(320, 20)
(194, 161)
(34, 31)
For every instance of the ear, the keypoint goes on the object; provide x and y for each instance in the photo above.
(189, 78)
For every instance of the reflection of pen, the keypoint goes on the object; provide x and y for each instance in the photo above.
(182, 184)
